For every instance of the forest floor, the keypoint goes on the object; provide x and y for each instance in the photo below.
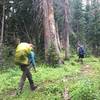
(85, 70)
(71, 81)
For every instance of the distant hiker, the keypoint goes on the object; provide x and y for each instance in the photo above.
(81, 53)
(24, 56)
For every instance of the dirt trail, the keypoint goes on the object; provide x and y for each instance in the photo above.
(85, 70)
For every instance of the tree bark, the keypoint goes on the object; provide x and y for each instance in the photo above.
(2, 32)
(2, 29)
(66, 24)
(49, 28)
(57, 36)
(46, 28)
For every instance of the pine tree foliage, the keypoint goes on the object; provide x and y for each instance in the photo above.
(24, 20)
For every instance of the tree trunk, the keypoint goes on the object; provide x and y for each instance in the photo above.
(46, 28)
(57, 36)
(2, 32)
(66, 24)
(49, 28)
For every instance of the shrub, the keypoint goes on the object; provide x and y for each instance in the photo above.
(53, 57)
(83, 90)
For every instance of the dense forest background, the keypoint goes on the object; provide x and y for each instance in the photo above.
(56, 28)
(72, 22)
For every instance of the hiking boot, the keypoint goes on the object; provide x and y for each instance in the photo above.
(33, 87)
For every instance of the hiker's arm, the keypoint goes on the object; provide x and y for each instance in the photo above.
(34, 67)
(34, 64)
(32, 60)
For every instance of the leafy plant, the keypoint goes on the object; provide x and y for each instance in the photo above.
(83, 90)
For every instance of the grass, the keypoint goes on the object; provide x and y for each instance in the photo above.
(50, 82)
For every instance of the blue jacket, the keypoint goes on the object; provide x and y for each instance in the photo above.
(81, 51)
(31, 58)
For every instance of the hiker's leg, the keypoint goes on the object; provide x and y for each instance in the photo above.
(29, 76)
(22, 79)
(21, 83)
(81, 58)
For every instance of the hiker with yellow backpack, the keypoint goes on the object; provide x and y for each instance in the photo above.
(24, 56)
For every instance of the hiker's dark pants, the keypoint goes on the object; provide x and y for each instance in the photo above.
(26, 74)
(81, 56)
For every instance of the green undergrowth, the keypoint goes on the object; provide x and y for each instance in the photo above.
(52, 81)
(48, 79)
(87, 87)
